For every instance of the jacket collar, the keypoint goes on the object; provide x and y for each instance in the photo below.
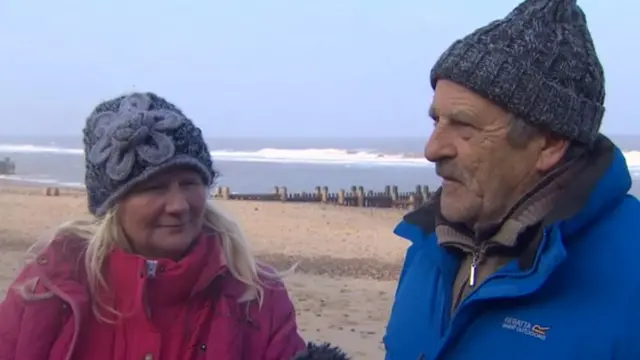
(603, 182)
(61, 268)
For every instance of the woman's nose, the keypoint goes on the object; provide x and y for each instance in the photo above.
(176, 201)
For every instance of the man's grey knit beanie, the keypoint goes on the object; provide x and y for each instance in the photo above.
(539, 63)
(132, 137)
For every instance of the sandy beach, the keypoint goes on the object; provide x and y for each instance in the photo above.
(348, 257)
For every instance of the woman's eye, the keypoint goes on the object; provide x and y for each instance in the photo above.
(191, 183)
(152, 188)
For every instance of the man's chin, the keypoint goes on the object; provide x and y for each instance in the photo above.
(453, 210)
(450, 191)
(449, 183)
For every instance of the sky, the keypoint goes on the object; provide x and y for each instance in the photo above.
(269, 68)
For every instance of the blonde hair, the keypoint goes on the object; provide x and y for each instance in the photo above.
(104, 234)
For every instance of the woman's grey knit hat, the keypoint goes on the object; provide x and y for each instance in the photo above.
(132, 137)
(539, 63)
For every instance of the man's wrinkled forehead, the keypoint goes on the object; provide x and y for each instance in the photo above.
(457, 103)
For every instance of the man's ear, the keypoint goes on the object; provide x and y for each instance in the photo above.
(553, 148)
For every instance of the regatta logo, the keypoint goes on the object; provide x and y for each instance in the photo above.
(526, 328)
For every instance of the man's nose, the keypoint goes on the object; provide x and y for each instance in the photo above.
(440, 145)
(176, 201)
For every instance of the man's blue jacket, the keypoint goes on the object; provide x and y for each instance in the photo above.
(574, 294)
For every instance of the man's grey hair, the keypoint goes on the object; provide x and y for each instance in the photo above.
(520, 133)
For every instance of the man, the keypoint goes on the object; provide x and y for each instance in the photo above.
(527, 250)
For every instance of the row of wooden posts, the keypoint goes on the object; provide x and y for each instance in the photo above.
(390, 197)
(357, 197)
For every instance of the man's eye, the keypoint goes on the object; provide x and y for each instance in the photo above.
(460, 123)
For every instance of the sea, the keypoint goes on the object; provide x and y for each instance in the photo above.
(256, 165)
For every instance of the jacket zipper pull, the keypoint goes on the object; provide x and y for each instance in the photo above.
(152, 266)
(472, 269)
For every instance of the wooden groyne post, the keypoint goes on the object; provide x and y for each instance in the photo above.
(7, 167)
(356, 197)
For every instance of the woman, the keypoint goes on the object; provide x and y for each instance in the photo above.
(162, 274)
